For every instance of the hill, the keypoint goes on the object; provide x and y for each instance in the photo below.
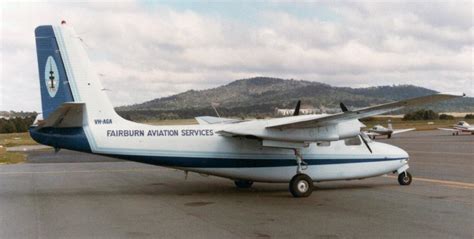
(260, 96)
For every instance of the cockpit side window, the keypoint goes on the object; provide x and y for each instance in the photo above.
(353, 141)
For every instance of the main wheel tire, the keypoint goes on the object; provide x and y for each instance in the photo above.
(389, 136)
(404, 178)
(243, 183)
(301, 185)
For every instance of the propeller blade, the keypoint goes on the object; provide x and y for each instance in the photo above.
(343, 107)
(297, 108)
(366, 143)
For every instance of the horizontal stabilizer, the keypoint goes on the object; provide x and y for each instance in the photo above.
(67, 115)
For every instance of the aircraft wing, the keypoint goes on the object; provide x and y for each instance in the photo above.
(299, 123)
(69, 114)
(215, 120)
(447, 129)
(372, 134)
(402, 131)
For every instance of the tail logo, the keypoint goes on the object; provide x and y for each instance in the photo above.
(51, 76)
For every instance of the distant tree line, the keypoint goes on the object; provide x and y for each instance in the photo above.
(16, 125)
(15, 114)
(421, 115)
(431, 115)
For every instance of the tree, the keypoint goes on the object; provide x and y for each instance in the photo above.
(445, 117)
(421, 115)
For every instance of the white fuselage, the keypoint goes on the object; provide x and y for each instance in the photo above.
(198, 148)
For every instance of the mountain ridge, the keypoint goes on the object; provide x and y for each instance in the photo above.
(261, 95)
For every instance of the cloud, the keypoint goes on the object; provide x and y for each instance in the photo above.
(144, 51)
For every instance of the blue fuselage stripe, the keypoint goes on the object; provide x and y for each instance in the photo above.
(191, 162)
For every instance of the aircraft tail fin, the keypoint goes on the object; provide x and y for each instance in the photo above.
(54, 83)
(390, 125)
(67, 75)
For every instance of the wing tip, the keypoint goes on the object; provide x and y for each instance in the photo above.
(454, 94)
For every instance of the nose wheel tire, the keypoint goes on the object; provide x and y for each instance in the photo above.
(243, 183)
(301, 185)
(404, 178)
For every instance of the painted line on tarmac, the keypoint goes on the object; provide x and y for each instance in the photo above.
(81, 171)
(443, 182)
(431, 152)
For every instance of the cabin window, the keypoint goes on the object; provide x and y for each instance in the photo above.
(323, 143)
(353, 141)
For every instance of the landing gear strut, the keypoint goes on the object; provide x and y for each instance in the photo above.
(240, 183)
(301, 185)
(404, 178)
(301, 165)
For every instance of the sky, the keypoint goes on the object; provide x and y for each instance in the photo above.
(145, 49)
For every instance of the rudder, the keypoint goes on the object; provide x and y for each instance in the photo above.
(54, 84)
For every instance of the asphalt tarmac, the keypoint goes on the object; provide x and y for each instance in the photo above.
(75, 195)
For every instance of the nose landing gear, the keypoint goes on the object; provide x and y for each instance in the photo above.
(404, 178)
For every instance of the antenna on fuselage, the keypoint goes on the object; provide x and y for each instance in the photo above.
(214, 105)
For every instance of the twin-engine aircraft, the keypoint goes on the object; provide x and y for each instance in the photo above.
(460, 127)
(298, 150)
(379, 130)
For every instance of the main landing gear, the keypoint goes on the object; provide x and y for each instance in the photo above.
(404, 178)
(240, 183)
(301, 185)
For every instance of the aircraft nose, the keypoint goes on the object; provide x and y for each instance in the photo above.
(392, 151)
(401, 152)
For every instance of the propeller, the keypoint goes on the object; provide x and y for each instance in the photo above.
(297, 108)
(343, 107)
